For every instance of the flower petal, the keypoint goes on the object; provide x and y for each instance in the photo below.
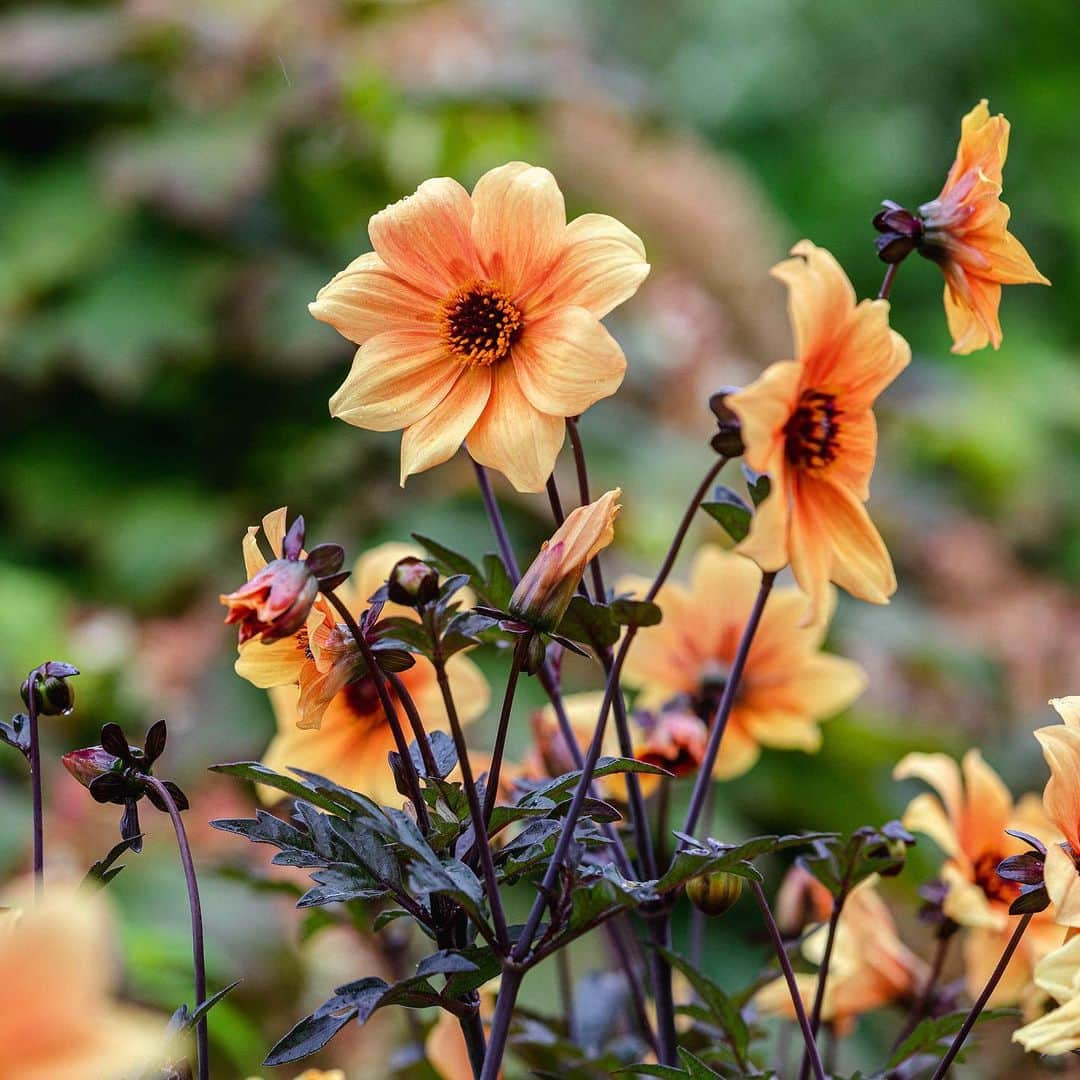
(601, 265)
(941, 773)
(925, 815)
(1068, 708)
(1063, 885)
(514, 437)
(972, 315)
(567, 361)
(426, 238)
(987, 807)
(367, 297)
(397, 378)
(276, 664)
(438, 436)
(1061, 748)
(519, 224)
(763, 408)
(820, 296)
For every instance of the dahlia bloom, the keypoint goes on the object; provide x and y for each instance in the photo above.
(788, 685)
(548, 585)
(966, 232)
(326, 723)
(809, 424)
(1061, 798)
(478, 321)
(870, 965)
(1058, 1030)
(967, 819)
(60, 1020)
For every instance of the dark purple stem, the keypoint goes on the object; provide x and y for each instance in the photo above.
(35, 784)
(197, 946)
(789, 978)
(982, 999)
(502, 537)
(583, 494)
(491, 793)
(822, 976)
(427, 755)
(887, 281)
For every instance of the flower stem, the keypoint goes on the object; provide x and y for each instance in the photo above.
(472, 1030)
(822, 977)
(502, 537)
(660, 938)
(982, 999)
(35, 785)
(197, 946)
(887, 281)
(427, 755)
(483, 847)
(723, 709)
(500, 1022)
(583, 493)
(789, 978)
(919, 1009)
(491, 793)
(412, 778)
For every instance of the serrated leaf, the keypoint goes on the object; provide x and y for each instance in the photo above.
(447, 561)
(257, 773)
(444, 962)
(497, 587)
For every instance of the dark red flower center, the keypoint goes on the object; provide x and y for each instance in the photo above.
(811, 432)
(480, 323)
(985, 875)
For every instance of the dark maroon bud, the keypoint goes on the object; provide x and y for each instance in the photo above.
(325, 560)
(293, 543)
(728, 440)
(412, 583)
(90, 764)
(1027, 869)
(901, 232)
(53, 696)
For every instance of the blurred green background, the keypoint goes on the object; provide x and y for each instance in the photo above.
(177, 180)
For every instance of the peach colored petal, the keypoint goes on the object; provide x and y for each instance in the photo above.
(739, 752)
(763, 408)
(1063, 885)
(925, 815)
(769, 541)
(969, 329)
(1068, 708)
(519, 225)
(514, 437)
(367, 298)
(1056, 1032)
(817, 685)
(273, 526)
(1058, 972)
(967, 904)
(601, 265)
(864, 359)
(436, 437)
(780, 729)
(254, 560)
(856, 454)
(941, 773)
(275, 664)
(567, 361)
(1061, 797)
(820, 297)
(982, 951)
(809, 548)
(987, 807)
(397, 378)
(426, 238)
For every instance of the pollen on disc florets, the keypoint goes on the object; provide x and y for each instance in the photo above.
(811, 432)
(480, 323)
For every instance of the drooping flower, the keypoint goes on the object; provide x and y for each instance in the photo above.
(60, 1019)
(478, 321)
(809, 424)
(967, 819)
(966, 232)
(548, 585)
(1061, 799)
(1058, 1030)
(788, 685)
(333, 724)
(673, 738)
(870, 966)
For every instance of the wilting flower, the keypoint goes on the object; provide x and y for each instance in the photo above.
(870, 965)
(967, 820)
(548, 585)
(313, 688)
(966, 232)
(478, 320)
(810, 425)
(1061, 799)
(788, 685)
(60, 1020)
(1058, 1031)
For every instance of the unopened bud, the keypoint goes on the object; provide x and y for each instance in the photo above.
(87, 765)
(275, 603)
(901, 232)
(715, 894)
(412, 583)
(53, 695)
(727, 442)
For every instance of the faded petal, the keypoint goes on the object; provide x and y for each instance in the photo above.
(567, 361)
(514, 437)
(397, 378)
(436, 437)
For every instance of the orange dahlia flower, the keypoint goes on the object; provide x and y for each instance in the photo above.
(966, 231)
(478, 321)
(788, 685)
(1061, 798)
(967, 819)
(328, 724)
(870, 966)
(809, 424)
(59, 1019)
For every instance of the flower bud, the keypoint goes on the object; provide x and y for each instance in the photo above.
(901, 232)
(87, 765)
(675, 740)
(715, 894)
(548, 585)
(412, 583)
(52, 693)
(275, 603)
(728, 440)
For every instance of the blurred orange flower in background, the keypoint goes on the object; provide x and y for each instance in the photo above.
(809, 424)
(1061, 798)
(478, 318)
(870, 965)
(327, 724)
(967, 819)
(788, 686)
(967, 234)
(58, 1018)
